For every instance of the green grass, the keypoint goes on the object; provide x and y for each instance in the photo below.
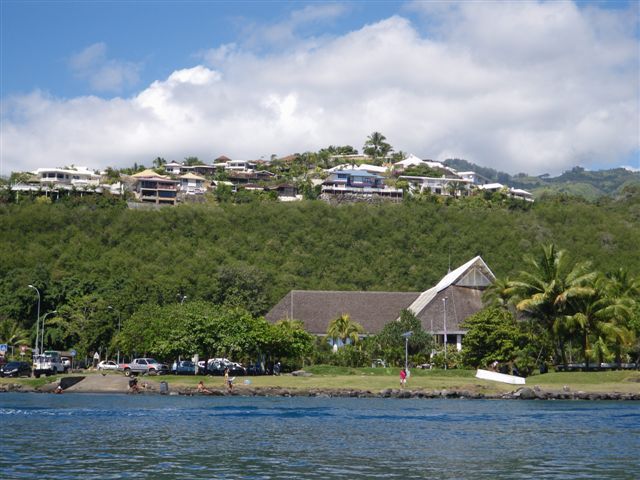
(376, 379)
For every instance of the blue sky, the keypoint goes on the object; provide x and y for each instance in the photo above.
(518, 86)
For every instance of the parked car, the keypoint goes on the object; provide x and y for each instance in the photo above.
(142, 366)
(107, 365)
(15, 369)
(217, 366)
(183, 367)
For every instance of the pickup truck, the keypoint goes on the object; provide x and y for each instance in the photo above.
(142, 366)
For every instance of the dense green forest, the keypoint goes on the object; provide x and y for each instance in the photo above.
(87, 255)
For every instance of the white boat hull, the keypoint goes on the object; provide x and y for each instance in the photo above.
(499, 377)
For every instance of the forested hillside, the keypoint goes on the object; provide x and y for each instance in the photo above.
(87, 257)
(578, 182)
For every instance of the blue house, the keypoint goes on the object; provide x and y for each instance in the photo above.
(355, 179)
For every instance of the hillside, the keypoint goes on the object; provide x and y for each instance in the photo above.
(579, 182)
(83, 256)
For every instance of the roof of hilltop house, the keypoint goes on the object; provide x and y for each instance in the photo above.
(148, 173)
(222, 159)
(192, 176)
(462, 288)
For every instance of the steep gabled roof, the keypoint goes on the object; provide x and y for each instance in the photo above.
(474, 273)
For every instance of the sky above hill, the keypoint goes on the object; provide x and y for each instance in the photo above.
(534, 87)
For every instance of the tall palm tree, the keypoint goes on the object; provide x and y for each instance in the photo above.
(600, 321)
(376, 146)
(344, 329)
(543, 291)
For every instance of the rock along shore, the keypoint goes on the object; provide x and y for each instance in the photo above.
(523, 393)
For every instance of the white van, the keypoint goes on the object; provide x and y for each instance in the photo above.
(49, 363)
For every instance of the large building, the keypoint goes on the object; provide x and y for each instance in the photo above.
(441, 309)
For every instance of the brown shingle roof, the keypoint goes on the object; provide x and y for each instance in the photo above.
(316, 309)
(461, 303)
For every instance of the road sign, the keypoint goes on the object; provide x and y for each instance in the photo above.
(3, 348)
(73, 353)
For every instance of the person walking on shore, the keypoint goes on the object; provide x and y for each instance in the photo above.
(403, 378)
(227, 380)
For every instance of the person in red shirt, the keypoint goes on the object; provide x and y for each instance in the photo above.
(403, 377)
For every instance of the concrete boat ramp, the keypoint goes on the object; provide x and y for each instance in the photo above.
(95, 384)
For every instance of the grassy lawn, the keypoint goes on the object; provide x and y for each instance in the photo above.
(376, 379)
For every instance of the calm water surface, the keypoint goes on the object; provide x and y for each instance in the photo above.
(116, 436)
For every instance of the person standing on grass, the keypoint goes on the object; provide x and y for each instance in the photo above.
(403, 378)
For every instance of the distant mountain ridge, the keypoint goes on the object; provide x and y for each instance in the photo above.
(577, 181)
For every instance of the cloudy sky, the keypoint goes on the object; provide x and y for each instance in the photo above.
(534, 87)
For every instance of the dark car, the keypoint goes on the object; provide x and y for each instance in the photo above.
(184, 367)
(15, 369)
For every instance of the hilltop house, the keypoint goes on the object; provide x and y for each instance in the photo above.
(191, 184)
(440, 309)
(151, 187)
(358, 183)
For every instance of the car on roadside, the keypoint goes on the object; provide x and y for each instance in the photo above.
(183, 367)
(107, 365)
(217, 366)
(15, 369)
(143, 366)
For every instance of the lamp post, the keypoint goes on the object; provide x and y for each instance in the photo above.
(406, 336)
(44, 317)
(444, 301)
(118, 357)
(38, 319)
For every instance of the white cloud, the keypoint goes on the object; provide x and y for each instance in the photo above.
(534, 87)
(102, 73)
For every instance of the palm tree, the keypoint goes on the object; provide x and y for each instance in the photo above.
(376, 146)
(344, 329)
(543, 291)
(600, 321)
(498, 293)
(12, 334)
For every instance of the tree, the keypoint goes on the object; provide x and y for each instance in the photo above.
(390, 344)
(493, 335)
(376, 146)
(344, 329)
(11, 333)
(242, 286)
(159, 162)
(543, 291)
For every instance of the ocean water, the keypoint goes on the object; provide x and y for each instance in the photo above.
(84, 436)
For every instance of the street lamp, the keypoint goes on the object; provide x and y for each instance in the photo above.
(38, 319)
(111, 308)
(42, 337)
(406, 336)
(444, 301)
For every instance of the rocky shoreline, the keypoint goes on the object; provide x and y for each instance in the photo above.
(522, 393)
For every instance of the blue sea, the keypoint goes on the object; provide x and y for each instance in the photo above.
(85, 436)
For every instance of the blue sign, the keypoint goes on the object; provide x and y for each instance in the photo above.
(3, 348)
(73, 353)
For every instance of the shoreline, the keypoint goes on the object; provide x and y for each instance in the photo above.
(521, 393)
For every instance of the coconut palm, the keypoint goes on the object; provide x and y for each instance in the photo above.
(376, 146)
(544, 290)
(600, 321)
(12, 334)
(498, 293)
(344, 329)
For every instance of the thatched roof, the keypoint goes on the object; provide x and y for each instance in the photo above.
(316, 309)
(461, 287)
